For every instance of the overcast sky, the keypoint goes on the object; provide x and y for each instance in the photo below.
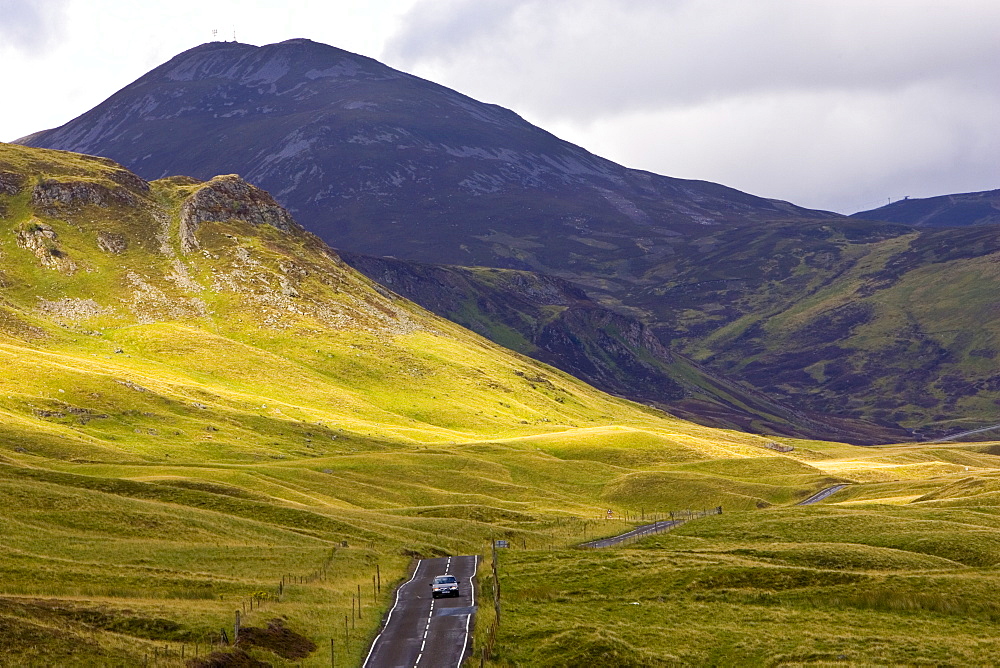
(833, 104)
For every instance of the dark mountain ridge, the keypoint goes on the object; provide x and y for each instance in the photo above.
(377, 161)
(957, 210)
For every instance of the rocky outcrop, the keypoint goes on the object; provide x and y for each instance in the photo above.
(11, 183)
(227, 198)
(50, 195)
(112, 242)
(42, 240)
(68, 309)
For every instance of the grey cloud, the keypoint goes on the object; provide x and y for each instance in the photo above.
(29, 24)
(580, 58)
(828, 103)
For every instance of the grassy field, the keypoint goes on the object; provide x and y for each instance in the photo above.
(186, 424)
(897, 569)
(241, 423)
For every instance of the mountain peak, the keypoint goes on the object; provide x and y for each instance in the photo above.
(294, 59)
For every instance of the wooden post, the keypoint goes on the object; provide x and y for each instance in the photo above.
(378, 576)
(359, 601)
(374, 590)
(236, 628)
(333, 656)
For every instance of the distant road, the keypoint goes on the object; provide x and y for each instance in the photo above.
(820, 495)
(963, 434)
(421, 631)
(644, 530)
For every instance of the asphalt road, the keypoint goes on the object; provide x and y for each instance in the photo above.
(424, 632)
(820, 495)
(644, 530)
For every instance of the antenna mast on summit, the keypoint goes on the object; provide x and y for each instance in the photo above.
(215, 35)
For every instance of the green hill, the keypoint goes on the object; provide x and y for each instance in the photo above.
(205, 411)
(200, 400)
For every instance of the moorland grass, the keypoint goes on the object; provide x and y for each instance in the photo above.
(181, 431)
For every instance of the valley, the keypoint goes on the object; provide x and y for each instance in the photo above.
(206, 411)
(236, 411)
(733, 310)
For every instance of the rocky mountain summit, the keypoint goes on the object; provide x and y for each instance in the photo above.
(812, 310)
(377, 161)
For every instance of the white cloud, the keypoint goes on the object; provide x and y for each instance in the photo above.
(28, 24)
(104, 45)
(829, 103)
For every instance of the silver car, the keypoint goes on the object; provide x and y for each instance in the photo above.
(444, 585)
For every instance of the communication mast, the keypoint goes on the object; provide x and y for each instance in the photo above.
(215, 35)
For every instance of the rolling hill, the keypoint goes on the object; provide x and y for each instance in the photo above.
(205, 412)
(205, 408)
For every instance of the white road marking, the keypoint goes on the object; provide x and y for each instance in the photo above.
(392, 610)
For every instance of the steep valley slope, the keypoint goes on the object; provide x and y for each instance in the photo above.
(204, 411)
(204, 408)
(813, 311)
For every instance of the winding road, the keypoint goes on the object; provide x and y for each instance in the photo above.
(638, 532)
(424, 632)
(820, 495)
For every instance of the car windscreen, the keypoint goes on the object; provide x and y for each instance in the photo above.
(445, 580)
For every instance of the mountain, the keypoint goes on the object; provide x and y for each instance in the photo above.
(958, 210)
(687, 284)
(377, 161)
(556, 322)
(205, 410)
(380, 162)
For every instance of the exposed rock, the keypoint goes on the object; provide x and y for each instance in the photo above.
(132, 386)
(68, 309)
(227, 198)
(50, 195)
(130, 181)
(11, 183)
(150, 303)
(41, 239)
(112, 242)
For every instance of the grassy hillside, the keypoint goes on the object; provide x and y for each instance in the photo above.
(897, 569)
(896, 334)
(200, 402)
(204, 411)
